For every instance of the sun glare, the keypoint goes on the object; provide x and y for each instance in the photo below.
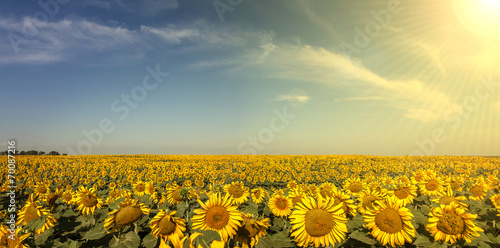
(479, 16)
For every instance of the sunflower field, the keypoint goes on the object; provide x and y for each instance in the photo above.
(251, 201)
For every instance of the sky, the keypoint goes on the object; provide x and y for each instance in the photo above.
(391, 78)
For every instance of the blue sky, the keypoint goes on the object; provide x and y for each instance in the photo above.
(255, 77)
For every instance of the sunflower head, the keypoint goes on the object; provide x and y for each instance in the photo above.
(319, 222)
(32, 211)
(280, 205)
(129, 212)
(165, 226)
(251, 230)
(238, 192)
(450, 223)
(88, 201)
(389, 223)
(218, 214)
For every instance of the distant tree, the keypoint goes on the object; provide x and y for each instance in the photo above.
(22, 153)
(41, 153)
(53, 153)
(65, 154)
(32, 152)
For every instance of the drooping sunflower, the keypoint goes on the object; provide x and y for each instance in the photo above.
(450, 223)
(237, 192)
(354, 186)
(346, 201)
(478, 190)
(52, 198)
(7, 242)
(166, 226)
(251, 230)
(296, 195)
(403, 194)
(447, 197)
(129, 212)
(432, 185)
(326, 189)
(32, 211)
(495, 199)
(280, 205)
(367, 200)
(87, 200)
(319, 222)
(174, 194)
(258, 195)
(218, 214)
(389, 223)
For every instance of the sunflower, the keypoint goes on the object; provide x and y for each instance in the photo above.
(478, 190)
(456, 183)
(449, 223)
(367, 200)
(448, 198)
(129, 212)
(495, 199)
(354, 186)
(326, 189)
(347, 203)
(238, 192)
(52, 198)
(168, 227)
(32, 211)
(218, 214)
(319, 222)
(296, 195)
(174, 194)
(88, 201)
(432, 185)
(42, 190)
(258, 195)
(113, 195)
(112, 185)
(17, 242)
(403, 194)
(139, 188)
(251, 230)
(280, 205)
(389, 223)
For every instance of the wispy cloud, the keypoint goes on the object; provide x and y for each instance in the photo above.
(292, 97)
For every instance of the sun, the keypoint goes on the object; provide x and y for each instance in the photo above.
(478, 16)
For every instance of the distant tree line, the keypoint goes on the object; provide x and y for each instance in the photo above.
(32, 152)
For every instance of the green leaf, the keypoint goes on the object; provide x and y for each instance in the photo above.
(94, 233)
(207, 237)
(363, 237)
(251, 208)
(422, 241)
(149, 241)
(41, 238)
(129, 240)
(482, 237)
(36, 224)
(73, 244)
(356, 223)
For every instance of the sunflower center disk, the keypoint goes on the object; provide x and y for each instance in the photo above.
(141, 187)
(235, 191)
(248, 230)
(451, 224)
(326, 192)
(176, 195)
(89, 201)
(402, 193)
(368, 201)
(128, 215)
(477, 191)
(281, 204)
(31, 214)
(41, 189)
(355, 187)
(217, 217)
(257, 194)
(446, 200)
(318, 222)
(432, 185)
(166, 226)
(389, 221)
